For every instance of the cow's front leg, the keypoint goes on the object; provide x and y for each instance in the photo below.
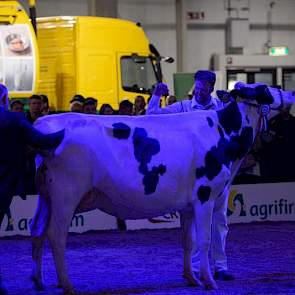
(186, 221)
(204, 212)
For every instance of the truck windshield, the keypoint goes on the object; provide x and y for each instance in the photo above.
(138, 74)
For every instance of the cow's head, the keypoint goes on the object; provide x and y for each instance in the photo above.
(268, 100)
(259, 94)
(276, 98)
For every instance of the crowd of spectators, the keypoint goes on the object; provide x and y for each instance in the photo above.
(272, 158)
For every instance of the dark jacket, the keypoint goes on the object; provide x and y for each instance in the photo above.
(15, 134)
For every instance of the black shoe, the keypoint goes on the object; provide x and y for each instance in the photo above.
(223, 275)
(3, 290)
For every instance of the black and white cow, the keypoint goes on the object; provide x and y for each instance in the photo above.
(145, 166)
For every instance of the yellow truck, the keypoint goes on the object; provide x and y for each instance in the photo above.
(109, 59)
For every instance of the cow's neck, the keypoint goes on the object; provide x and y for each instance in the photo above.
(239, 124)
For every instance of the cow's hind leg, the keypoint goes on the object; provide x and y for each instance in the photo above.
(37, 251)
(186, 220)
(57, 235)
(203, 214)
(38, 229)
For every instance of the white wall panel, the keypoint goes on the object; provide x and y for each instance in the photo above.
(59, 7)
(202, 44)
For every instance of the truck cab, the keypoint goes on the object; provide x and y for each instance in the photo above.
(109, 59)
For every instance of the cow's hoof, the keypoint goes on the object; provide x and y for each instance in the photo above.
(210, 285)
(70, 291)
(38, 284)
(192, 279)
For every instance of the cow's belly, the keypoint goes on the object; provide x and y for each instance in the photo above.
(131, 204)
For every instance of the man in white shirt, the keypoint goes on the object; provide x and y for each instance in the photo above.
(202, 100)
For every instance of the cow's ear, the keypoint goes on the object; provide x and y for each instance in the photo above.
(263, 95)
(223, 95)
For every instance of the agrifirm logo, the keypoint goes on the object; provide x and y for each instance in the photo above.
(234, 200)
(23, 224)
(280, 207)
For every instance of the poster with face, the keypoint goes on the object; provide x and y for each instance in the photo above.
(17, 58)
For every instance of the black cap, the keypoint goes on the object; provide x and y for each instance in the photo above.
(208, 76)
(90, 101)
(13, 102)
(78, 98)
(126, 103)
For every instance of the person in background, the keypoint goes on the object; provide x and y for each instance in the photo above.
(45, 105)
(279, 141)
(17, 106)
(34, 112)
(35, 108)
(202, 100)
(139, 105)
(90, 105)
(106, 109)
(76, 103)
(170, 99)
(125, 107)
(15, 134)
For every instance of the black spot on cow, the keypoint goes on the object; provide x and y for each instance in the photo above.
(230, 118)
(242, 143)
(144, 148)
(228, 149)
(200, 172)
(263, 95)
(203, 193)
(220, 131)
(210, 122)
(213, 163)
(226, 152)
(151, 179)
(121, 131)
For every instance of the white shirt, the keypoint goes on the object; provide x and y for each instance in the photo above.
(186, 105)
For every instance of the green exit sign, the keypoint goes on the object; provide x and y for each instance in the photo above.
(279, 51)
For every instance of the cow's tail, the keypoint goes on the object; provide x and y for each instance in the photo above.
(42, 215)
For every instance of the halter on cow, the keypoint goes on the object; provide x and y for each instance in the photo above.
(141, 167)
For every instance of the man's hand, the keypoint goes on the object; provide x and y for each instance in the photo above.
(161, 89)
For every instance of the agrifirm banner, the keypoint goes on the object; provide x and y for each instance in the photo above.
(247, 203)
(262, 202)
(18, 218)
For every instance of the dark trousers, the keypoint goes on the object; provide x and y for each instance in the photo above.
(5, 201)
